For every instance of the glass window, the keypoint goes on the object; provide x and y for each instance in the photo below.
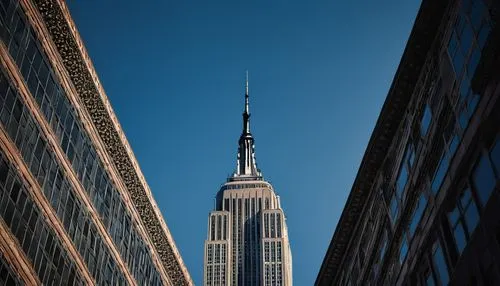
(464, 219)
(440, 265)
(466, 39)
(440, 174)
(417, 215)
(426, 121)
(495, 156)
(429, 279)
(453, 44)
(453, 145)
(478, 9)
(458, 62)
(473, 61)
(402, 179)
(403, 251)
(464, 87)
(483, 179)
(394, 208)
(483, 34)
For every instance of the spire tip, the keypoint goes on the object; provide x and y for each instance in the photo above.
(246, 84)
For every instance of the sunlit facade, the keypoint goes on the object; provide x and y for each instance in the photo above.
(424, 207)
(247, 240)
(74, 206)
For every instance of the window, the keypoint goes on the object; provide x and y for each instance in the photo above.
(450, 148)
(417, 215)
(453, 44)
(440, 173)
(495, 156)
(483, 179)
(394, 209)
(402, 179)
(466, 39)
(473, 61)
(440, 265)
(483, 34)
(426, 121)
(478, 9)
(403, 251)
(429, 279)
(463, 219)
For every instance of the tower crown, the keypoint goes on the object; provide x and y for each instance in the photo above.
(246, 165)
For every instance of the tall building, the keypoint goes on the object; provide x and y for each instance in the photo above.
(247, 240)
(424, 207)
(75, 208)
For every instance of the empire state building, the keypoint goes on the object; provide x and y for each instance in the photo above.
(247, 240)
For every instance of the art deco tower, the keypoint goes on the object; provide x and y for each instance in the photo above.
(247, 241)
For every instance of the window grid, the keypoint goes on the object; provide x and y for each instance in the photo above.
(45, 88)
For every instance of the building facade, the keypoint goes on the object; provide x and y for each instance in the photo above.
(74, 206)
(247, 240)
(424, 207)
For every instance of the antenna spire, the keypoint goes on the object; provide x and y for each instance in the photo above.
(246, 156)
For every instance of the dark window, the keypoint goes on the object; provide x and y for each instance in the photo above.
(458, 62)
(401, 181)
(494, 154)
(403, 251)
(478, 9)
(473, 61)
(483, 179)
(426, 121)
(440, 173)
(466, 39)
(417, 215)
(440, 265)
(453, 44)
(394, 208)
(483, 34)
(463, 219)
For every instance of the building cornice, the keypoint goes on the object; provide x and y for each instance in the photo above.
(76, 61)
(393, 111)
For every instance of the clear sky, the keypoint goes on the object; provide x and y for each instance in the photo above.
(319, 72)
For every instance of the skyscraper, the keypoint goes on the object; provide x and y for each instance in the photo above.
(247, 241)
(424, 207)
(75, 208)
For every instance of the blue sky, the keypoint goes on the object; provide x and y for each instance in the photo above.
(319, 72)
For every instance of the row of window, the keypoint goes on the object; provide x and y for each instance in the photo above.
(43, 85)
(272, 251)
(39, 242)
(245, 186)
(472, 28)
(216, 275)
(218, 227)
(465, 216)
(216, 253)
(273, 274)
(22, 129)
(469, 37)
(246, 215)
(272, 225)
(7, 275)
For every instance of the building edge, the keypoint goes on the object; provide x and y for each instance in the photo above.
(423, 33)
(83, 76)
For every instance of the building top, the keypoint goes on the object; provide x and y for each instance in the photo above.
(246, 168)
(419, 43)
(95, 103)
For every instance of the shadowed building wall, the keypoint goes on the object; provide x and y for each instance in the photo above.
(424, 207)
